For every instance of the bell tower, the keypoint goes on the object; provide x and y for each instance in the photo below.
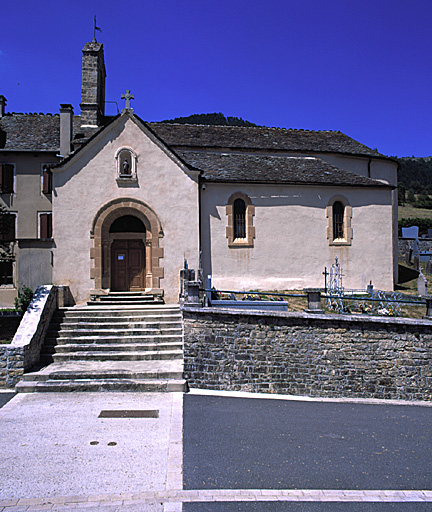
(93, 84)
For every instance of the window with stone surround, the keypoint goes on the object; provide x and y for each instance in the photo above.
(240, 211)
(339, 215)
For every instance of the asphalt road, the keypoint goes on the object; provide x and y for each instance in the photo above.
(236, 443)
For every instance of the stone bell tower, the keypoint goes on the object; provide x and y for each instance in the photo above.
(93, 84)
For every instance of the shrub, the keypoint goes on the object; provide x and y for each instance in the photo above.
(22, 302)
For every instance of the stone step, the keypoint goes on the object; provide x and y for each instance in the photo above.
(116, 322)
(81, 385)
(101, 340)
(76, 333)
(110, 347)
(95, 375)
(122, 314)
(91, 355)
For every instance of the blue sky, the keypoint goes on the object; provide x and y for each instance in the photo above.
(361, 67)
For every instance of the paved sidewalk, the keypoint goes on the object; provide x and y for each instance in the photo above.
(54, 444)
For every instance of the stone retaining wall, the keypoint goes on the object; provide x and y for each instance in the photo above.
(24, 351)
(307, 354)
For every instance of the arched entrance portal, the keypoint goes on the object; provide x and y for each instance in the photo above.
(126, 251)
(127, 254)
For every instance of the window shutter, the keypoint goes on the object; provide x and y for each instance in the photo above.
(45, 225)
(47, 181)
(7, 227)
(1, 178)
(8, 179)
(49, 225)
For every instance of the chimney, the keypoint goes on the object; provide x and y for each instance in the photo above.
(2, 106)
(93, 84)
(66, 116)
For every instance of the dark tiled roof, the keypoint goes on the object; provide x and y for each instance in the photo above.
(270, 139)
(37, 132)
(30, 132)
(227, 168)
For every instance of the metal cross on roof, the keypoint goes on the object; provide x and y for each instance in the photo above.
(128, 96)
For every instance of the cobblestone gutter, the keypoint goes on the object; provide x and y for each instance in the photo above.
(24, 351)
(308, 354)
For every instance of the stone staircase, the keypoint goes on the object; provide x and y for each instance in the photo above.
(123, 342)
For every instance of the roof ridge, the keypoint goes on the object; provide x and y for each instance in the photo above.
(30, 114)
(247, 127)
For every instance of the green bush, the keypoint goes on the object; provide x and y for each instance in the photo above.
(22, 302)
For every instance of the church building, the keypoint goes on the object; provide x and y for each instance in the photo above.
(104, 203)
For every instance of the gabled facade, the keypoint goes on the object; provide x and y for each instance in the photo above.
(256, 208)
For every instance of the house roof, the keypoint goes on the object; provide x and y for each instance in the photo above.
(222, 167)
(37, 132)
(259, 138)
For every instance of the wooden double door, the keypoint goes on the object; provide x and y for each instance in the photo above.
(127, 265)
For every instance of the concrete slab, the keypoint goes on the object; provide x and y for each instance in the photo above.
(55, 445)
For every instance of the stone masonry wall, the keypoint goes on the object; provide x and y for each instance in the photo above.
(306, 354)
(24, 351)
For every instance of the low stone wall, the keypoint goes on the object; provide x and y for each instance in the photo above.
(24, 351)
(308, 354)
(425, 244)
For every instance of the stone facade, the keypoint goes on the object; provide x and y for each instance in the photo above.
(306, 354)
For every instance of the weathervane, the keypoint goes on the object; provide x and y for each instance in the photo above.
(94, 30)
(127, 97)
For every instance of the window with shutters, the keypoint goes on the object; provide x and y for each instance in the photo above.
(7, 178)
(45, 225)
(339, 215)
(240, 230)
(7, 226)
(46, 180)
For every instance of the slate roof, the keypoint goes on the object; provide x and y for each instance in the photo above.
(270, 139)
(220, 167)
(36, 132)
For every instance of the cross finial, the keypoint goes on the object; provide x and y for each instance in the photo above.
(127, 97)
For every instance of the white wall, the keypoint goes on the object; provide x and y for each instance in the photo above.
(291, 248)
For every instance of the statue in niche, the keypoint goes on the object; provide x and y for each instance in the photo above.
(126, 166)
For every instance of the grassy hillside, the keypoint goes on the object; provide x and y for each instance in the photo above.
(410, 212)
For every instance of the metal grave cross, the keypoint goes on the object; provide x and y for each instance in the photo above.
(128, 96)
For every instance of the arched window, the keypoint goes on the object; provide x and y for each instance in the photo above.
(239, 219)
(240, 231)
(339, 215)
(338, 220)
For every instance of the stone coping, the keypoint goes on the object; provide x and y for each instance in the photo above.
(348, 319)
(32, 316)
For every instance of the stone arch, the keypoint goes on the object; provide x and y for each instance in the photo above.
(101, 238)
